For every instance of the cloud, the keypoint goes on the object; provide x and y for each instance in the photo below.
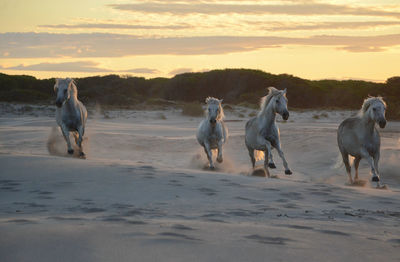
(302, 9)
(141, 71)
(78, 66)
(45, 45)
(81, 66)
(278, 26)
(180, 71)
(114, 26)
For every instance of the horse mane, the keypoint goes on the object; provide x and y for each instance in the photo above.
(215, 101)
(71, 82)
(272, 91)
(368, 102)
(74, 89)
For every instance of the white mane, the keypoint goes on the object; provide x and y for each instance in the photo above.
(266, 99)
(368, 102)
(215, 101)
(71, 82)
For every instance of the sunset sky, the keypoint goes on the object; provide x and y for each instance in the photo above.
(310, 39)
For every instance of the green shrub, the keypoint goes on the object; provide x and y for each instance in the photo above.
(192, 109)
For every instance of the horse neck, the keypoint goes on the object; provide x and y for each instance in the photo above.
(368, 122)
(268, 115)
(72, 102)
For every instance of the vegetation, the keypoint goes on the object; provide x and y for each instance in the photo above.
(235, 86)
(192, 109)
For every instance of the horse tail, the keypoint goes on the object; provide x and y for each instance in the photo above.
(259, 155)
(339, 161)
(224, 132)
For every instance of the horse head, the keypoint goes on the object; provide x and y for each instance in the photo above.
(280, 104)
(214, 110)
(375, 109)
(62, 89)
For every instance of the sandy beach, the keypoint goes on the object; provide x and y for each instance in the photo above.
(143, 193)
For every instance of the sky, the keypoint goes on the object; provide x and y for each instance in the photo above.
(313, 39)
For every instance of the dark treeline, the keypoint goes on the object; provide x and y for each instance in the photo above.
(235, 86)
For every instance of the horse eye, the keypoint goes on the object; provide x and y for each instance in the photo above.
(374, 109)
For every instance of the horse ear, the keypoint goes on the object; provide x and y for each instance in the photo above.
(284, 91)
(220, 101)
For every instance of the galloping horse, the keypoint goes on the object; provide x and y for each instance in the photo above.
(212, 133)
(262, 132)
(359, 137)
(71, 114)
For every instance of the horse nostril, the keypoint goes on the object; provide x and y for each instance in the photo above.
(213, 121)
(285, 116)
(58, 103)
(382, 124)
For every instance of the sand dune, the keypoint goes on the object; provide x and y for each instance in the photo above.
(142, 194)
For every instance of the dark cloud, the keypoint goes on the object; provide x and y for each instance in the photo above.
(180, 71)
(78, 66)
(303, 9)
(114, 26)
(141, 71)
(34, 45)
(81, 66)
(278, 26)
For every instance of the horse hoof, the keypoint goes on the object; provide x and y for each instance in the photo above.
(375, 179)
(288, 172)
(70, 151)
(82, 155)
(219, 160)
(271, 165)
(212, 168)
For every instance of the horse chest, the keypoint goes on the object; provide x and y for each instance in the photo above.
(71, 122)
(371, 147)
(269, 134)
(213, 139)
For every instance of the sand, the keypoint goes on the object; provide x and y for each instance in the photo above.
(143, 193)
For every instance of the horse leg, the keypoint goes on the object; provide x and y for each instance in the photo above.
(219, 158)
(365, 154)
(281, 155)
(76, 137)
(65, 133)
(271, 163)
(207, 149)
(267, 153)
(376, 160)
(81, 131)
(356, 164)
(345, 157)
(251, 154)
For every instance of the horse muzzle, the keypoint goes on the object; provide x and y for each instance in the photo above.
(382, 123)
(285, 116)
(58, 103)
(213, 121)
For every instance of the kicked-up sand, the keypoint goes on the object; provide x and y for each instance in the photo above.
(144, 192)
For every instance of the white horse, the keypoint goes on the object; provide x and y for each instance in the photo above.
(71, 114)
(212, 132)
(262, 132)
(358, 136)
